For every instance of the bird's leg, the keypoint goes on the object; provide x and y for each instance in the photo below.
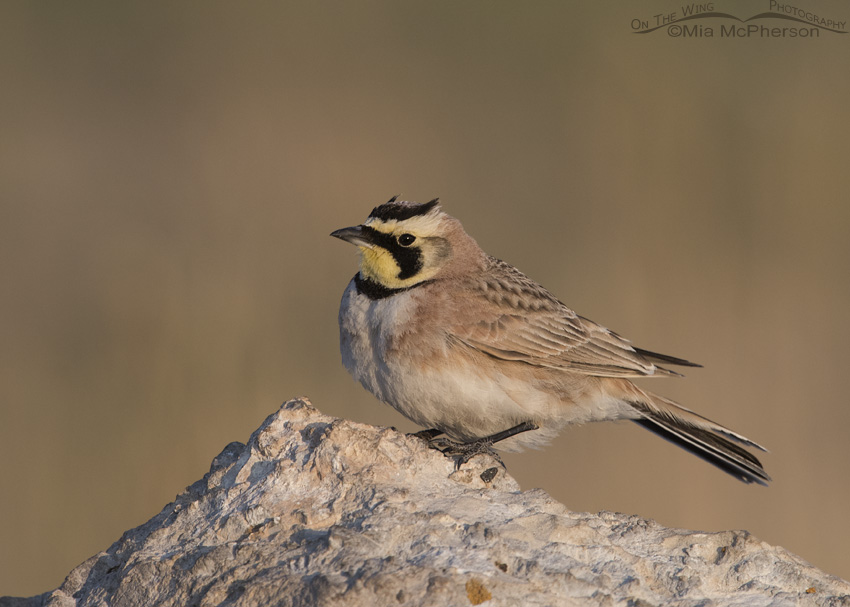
(466, 451)
(518, 429)
(427, 435)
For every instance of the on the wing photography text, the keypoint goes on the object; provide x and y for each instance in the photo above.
(708, 20)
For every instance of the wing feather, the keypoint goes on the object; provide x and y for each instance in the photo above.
(522, 321)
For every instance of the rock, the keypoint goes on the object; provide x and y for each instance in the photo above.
(316, 510)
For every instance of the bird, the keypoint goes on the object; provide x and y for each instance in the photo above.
(470, 348)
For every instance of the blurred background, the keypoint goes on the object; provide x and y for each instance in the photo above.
(170, 172)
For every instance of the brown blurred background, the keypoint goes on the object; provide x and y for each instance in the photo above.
(170, 172)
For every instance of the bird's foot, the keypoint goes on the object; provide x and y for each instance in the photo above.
(463, 452)
(482, 446)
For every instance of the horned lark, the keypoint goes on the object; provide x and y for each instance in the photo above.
(468, 346)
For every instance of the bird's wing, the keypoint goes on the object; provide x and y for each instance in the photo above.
(513, 318)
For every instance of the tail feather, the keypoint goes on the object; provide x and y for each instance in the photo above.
(702, 437)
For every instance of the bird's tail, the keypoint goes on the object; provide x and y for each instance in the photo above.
(704, 438)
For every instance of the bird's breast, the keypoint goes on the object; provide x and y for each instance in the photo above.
(370, 331)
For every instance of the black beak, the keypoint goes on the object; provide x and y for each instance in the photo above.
(356, 235)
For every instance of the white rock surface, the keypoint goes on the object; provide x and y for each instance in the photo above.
(316, 510)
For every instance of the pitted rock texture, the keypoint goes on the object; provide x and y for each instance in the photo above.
(316, 510)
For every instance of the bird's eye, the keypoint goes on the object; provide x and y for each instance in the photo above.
(406, 240)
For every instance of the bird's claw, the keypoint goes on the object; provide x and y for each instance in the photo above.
(466, 451)
(463, 452)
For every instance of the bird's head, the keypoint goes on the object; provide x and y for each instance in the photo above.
(404, 243)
